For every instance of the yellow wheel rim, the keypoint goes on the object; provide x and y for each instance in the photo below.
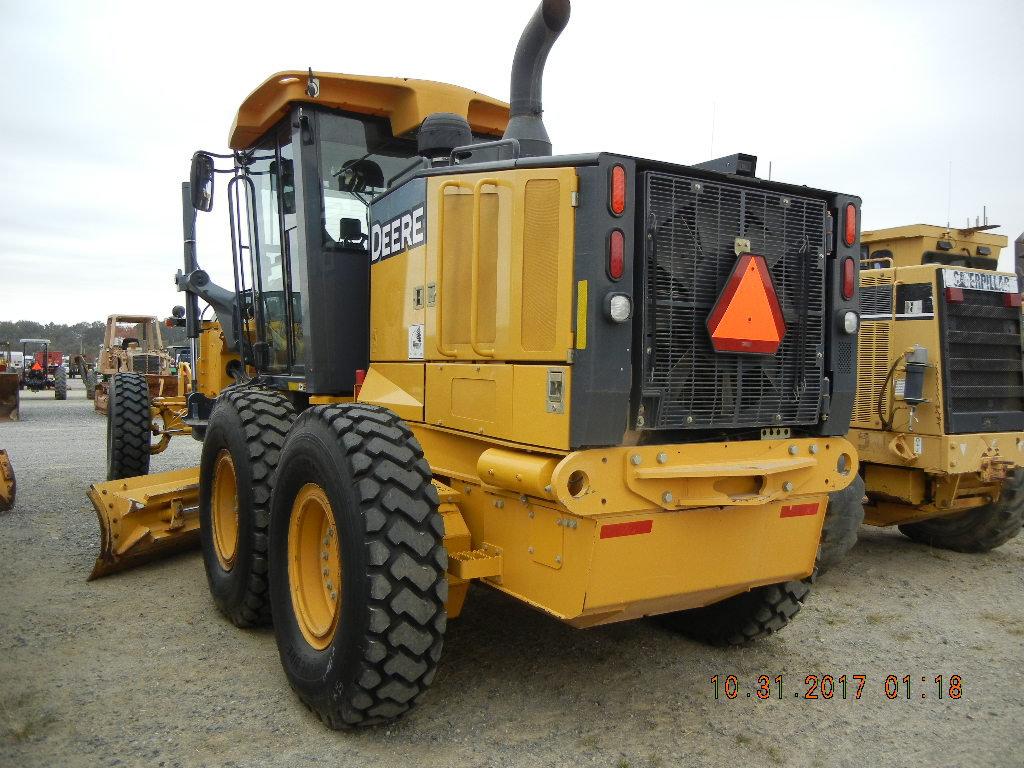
(314, 566)
(225, 510)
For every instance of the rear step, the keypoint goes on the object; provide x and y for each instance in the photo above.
(142, 518)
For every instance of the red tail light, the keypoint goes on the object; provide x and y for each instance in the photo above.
(360, 378)
(849, 276)
(954, 295)
(850, 225)
(617, 190)
(616, 254)
(1011, 299)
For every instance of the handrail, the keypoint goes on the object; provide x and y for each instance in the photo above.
(439, 336)
(878, 260)
(474, 266)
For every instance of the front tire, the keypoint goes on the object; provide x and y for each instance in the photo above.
(241, 449)
(60, 384)
(129, 427)
(976, 530)
(90, 384)
(354, 503)
(740, 619)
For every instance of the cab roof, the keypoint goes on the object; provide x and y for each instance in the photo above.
(405, 102)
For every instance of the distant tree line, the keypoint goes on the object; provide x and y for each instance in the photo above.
(70, 339)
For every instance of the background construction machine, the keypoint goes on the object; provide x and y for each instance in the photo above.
(44, 369)
(8, 484)
(10, 384)
(608, 387)
(939, 415)
(131, 343)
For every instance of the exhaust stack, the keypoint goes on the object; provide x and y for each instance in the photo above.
(525, 122)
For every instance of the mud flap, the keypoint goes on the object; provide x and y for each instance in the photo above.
(9, 396)
(142, 518)
(8, 486)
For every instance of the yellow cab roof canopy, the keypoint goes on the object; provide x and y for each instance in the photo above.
(405, 102)
(925, 243)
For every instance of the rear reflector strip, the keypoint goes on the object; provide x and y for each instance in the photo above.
(799, 510)
(626, 529)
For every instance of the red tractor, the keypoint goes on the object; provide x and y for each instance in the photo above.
(44, 369)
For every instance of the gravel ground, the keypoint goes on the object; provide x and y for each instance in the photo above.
(140, 669)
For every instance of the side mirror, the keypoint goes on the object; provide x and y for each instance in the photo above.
(201, 181)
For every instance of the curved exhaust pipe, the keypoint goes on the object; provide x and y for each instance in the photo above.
(525, 122)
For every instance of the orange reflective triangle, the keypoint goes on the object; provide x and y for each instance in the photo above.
(747, 316)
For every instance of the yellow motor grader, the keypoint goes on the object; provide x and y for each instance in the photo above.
(606, 386)
(939, 415)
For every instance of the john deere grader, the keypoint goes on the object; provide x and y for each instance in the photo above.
(606, 386)
(939, 414)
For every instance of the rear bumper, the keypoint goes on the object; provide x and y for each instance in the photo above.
(612, 542)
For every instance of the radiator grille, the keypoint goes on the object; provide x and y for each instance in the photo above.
(983, 364)
(872, 368)
(875, 299)
(692, 229)
(873, 346)
(146, 363)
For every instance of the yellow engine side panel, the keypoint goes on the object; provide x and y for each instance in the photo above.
(396, 304)
(514, 231)
(509, 402)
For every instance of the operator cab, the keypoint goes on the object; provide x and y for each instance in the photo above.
(307, 164)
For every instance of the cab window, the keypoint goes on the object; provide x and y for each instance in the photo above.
(358, 155)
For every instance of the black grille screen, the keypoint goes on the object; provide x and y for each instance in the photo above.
(983, 365)
(692, 227)
(146, 363)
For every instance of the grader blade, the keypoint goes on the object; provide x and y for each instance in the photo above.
(8, 485)
(9, 396)
(142, 518)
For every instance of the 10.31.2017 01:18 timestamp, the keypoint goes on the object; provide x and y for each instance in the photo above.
(852, 687)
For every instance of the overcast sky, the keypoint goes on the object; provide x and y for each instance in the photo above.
(104, 103)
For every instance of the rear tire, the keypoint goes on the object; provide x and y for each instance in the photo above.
(843, 519)
(89, 377)
(377, 658)
(976, 530)
(129, 427)
(60, 384)
(245, 435)
(740, 619)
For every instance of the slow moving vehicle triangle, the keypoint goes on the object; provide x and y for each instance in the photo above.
(747, 317)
